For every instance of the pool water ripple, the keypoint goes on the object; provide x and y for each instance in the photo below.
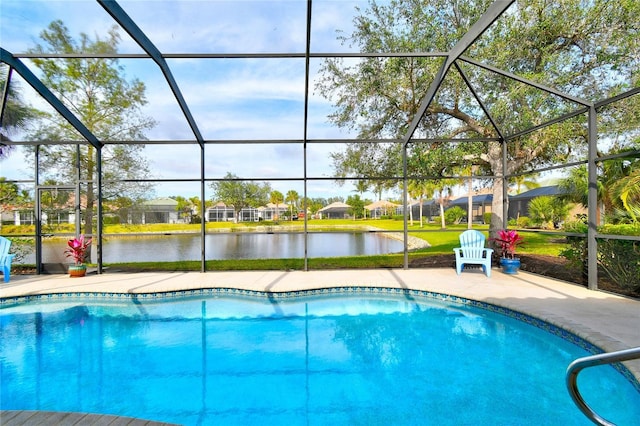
(296, 359)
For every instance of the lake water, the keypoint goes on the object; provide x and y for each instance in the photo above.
(165, 248)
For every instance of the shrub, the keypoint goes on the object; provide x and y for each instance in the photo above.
(576, 252)
(486, 217)
(621, 229)
(110, 220)
(620, 259)
(454, 215)
(548, 211)
(521, 222)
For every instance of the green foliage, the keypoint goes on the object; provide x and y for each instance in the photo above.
(379, 97)
(617, 186)
(576, 251)
(276, 197)
(548, 211)
(292, 198)
(184, 207)
(239, 194)
(454, 215)
(110, 220)
(627, 192)
(11, 195)
(109, 105)
(620, 259)
(621, 229)
(16, 114)
(8, 192)
(523, 222)
(486, 218)
(541, 243)
(357, 206)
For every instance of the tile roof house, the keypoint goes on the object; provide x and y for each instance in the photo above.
(335, 210)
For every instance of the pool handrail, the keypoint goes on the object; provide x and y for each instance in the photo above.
(591, 361)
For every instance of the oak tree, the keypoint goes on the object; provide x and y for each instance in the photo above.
(587, 50)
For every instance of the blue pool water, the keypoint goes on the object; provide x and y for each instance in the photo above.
(340, 359)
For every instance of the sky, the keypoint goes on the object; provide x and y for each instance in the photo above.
(230, 98)
(234, 99)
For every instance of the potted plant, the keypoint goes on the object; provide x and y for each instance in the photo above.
(508, 241)
(77, 249)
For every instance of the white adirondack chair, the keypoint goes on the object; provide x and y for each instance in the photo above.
(473, 252)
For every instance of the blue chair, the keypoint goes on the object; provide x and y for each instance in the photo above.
(473, 252)
(5, 258)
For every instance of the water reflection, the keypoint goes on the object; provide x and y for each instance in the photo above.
(165, 248)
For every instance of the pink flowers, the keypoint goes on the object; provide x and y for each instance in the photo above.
(78, 249)
(508, 241)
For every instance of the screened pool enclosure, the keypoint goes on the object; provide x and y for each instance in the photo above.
(141, 112)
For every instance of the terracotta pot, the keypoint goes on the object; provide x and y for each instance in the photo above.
(77, 270)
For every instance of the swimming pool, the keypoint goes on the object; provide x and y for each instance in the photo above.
(339, 356)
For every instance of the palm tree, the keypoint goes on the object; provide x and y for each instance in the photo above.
(420, 190)
(195, 205)
(292, 198)
(444, 189)
(361, 187)
(617, 187)
(627, 190)
(276, 197)
(528, 181)
(575, 186)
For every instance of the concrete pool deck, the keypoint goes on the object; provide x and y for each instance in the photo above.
(608, 321)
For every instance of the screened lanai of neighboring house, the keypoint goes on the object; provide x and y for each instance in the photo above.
(286, 94)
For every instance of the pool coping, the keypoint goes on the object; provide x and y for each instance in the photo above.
(606, 321)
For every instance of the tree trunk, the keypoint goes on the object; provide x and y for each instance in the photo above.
(469, 204)
(410, 213)
(497, 205)
(89, 197)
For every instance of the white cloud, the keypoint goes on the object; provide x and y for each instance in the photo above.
(229, 98)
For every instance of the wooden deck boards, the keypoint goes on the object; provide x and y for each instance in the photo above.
(32, 418)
